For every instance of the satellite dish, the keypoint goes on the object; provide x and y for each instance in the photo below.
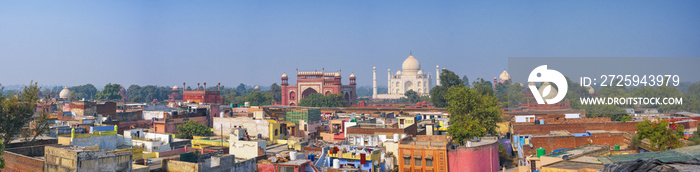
(273, 159)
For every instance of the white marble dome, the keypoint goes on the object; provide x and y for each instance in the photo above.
(410, 66)
(64, 93)
(504, 76)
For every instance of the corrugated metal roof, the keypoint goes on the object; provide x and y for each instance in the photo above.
(680, 154)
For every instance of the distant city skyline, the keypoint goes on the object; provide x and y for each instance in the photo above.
(166, 43)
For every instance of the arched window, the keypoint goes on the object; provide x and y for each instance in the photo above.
(292, 95)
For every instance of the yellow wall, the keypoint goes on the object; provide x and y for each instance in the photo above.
(274, 126)
(503, 127)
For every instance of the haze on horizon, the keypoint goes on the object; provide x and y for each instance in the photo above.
(252, 42)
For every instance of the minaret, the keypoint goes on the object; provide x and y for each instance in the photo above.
(437, 75)
(388, 81)
(374, 82)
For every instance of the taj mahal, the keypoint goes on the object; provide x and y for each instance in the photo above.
(411, 77)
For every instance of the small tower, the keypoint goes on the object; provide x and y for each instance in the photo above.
(285, 79)
(352, 79)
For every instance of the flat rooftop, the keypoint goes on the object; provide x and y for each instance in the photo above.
(572, 165)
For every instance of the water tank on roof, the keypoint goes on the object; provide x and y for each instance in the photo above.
(540, 152)
(396, 137)
(292, 155)
(336, 163)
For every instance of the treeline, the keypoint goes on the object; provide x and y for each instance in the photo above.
(149, 93)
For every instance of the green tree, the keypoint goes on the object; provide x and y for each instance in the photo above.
(193, 128)
(515, 95)
(15, 112)
(241, 88)
(483, 87)
(437, 96)
(691, 102)
(110, 92)
(276, 92)
(319, 100)
(438, 93)
(471, 114)
(86, 92)
(134, 93)
(465, 80)
(412, 96)
(661, 136)
(449, 78)
(257, 98)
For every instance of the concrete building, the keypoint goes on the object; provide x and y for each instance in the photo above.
(212, 163)
(150, 142)
(411, 78)
(374, 134)
(317, 82)
(246, 149)
(256, 128)
(71, 158)
(424, 153)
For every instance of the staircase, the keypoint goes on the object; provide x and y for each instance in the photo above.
(321, 161)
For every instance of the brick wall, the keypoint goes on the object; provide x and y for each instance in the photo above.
(551, 143)
(22, 159)
(523, 129)
(107, 109)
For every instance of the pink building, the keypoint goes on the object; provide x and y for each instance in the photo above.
(474, 156)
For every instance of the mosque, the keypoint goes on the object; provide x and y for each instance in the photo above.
(411, 77)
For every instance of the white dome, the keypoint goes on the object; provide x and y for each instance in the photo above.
(352, 75)
(420, 72)
(504, 76)
(64, 93)
(410, 66)
(336, 74)
(284, 75)
(175, 87)
(398, 72)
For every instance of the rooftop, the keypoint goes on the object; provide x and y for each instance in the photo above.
(296, 162)
(680, 154)
(572, 165)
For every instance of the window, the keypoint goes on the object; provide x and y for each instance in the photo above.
(418, 161)
(428, 162)
(406, 161)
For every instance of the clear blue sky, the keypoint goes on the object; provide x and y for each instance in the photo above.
(254, 42)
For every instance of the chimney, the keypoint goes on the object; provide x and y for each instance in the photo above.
(183, 88)
(218, 87)
(198, 86)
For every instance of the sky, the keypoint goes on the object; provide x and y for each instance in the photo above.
(253, 42)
